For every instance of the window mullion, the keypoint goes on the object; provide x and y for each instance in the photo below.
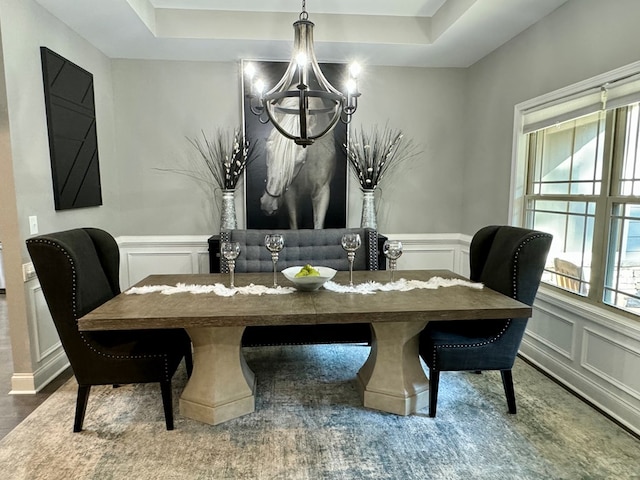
(612, 154)
(530, 173)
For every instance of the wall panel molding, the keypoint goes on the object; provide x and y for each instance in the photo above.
(592, 351)
(46, 340)
(602, 353)
(46, 346)
(605, 355)
(625, 412)
(546, 327)
(145, 255)
(438, 251)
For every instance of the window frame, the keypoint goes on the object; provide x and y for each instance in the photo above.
(522, 177)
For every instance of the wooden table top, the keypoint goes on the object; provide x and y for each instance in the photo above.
(184, 310)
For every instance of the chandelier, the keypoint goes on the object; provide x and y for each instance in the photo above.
(303, 105)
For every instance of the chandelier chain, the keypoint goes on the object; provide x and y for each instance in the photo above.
(304, 15)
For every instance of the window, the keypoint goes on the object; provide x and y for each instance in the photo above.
(583, 186)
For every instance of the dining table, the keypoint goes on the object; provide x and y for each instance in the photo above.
(222, 385)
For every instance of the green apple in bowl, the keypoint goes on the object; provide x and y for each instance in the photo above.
(307, 271)
(308, 278)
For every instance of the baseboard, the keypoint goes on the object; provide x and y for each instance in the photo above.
(570, 341)
(572, 391)
(30, 383)
(603, 400)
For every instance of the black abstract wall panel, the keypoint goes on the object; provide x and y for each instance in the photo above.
(73, 144)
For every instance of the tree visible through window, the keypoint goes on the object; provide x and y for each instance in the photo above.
(583, 186)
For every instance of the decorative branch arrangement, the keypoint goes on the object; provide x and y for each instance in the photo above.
(225, 158)
(373, 154)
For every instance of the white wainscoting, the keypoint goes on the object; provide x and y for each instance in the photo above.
(435, 251)
(45, 337)
(146, 255)
(46, 349)
(592, 351)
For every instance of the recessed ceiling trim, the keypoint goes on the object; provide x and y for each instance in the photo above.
(419, 33)
(233, 25)
(405, 8)
(145, 11)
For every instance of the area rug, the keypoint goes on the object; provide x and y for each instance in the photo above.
(310, 424)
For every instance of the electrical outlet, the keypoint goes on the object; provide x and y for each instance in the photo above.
(33, 225)
(28, 271)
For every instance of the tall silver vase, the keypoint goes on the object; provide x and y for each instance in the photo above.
(368, 210)
(228, 214)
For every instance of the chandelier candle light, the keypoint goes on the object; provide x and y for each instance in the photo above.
(303, 105)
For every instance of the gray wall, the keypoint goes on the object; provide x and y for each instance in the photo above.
(26, 27)
(462, 118)
(581, 39)
(159, 103)
(428, 105)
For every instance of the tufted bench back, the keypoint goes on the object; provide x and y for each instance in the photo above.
(316, 247)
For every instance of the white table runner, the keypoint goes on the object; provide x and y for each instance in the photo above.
(402, 285)
(366, 288)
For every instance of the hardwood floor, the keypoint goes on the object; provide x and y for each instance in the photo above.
(15, 408)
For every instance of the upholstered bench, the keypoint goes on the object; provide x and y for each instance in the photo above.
(316, 247)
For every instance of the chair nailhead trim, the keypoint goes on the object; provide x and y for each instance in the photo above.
(225, 236)
(515, 295)
(373, 250)
(75, 313)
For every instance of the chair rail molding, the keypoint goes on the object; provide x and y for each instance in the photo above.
(144, 255)
(591, 351)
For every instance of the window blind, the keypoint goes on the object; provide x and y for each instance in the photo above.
(611, 95)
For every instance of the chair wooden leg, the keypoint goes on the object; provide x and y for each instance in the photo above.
(81, 406)
(167, 403)
(507, 381)
(434, 380)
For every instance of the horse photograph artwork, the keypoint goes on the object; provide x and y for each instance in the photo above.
(289, 186)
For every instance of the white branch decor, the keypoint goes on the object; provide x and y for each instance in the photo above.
(224, 159)
(373, 154)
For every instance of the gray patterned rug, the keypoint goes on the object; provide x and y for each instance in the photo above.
(309, 424)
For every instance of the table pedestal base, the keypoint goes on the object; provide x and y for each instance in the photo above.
(392, 378)
(222, 385)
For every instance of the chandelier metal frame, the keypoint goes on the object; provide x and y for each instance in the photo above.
(301, 76)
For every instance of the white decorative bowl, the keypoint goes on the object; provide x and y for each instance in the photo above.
(308, 284)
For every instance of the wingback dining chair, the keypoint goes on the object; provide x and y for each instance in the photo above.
(78, 271)
(506, 259)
